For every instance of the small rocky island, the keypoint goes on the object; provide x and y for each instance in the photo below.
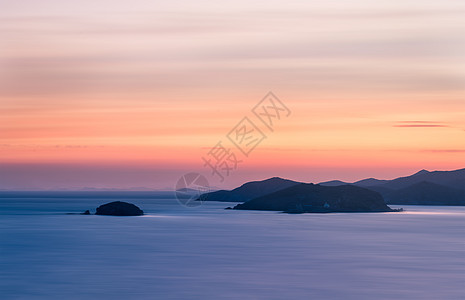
(314, 198)
(119, 208)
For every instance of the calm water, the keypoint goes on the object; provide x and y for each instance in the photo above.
(212, 253)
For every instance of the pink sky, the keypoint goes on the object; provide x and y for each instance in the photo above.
(118, 94)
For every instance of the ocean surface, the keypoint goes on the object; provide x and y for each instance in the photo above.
(206, 252)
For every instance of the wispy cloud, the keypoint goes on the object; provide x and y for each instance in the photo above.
(445, 150)
(420, 124)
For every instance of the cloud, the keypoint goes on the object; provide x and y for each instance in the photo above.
(305, 47)
(445, 150)
(421, 124)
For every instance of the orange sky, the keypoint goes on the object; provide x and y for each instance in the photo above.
(108, 94)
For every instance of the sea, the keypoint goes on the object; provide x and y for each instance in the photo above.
(206, 252)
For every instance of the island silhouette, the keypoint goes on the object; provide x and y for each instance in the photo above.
(367, 195)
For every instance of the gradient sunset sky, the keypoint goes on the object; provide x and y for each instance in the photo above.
(131, 94)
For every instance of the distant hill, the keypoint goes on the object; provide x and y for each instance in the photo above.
(307, 197)
(333, 183)
(421, 188)
(425, 188)
(369, 182)
(188, 191)
(454, 179)
(362, 183)
(250, 190)
(426, 193)
(87, 194)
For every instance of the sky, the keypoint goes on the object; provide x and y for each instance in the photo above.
(134, 94)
